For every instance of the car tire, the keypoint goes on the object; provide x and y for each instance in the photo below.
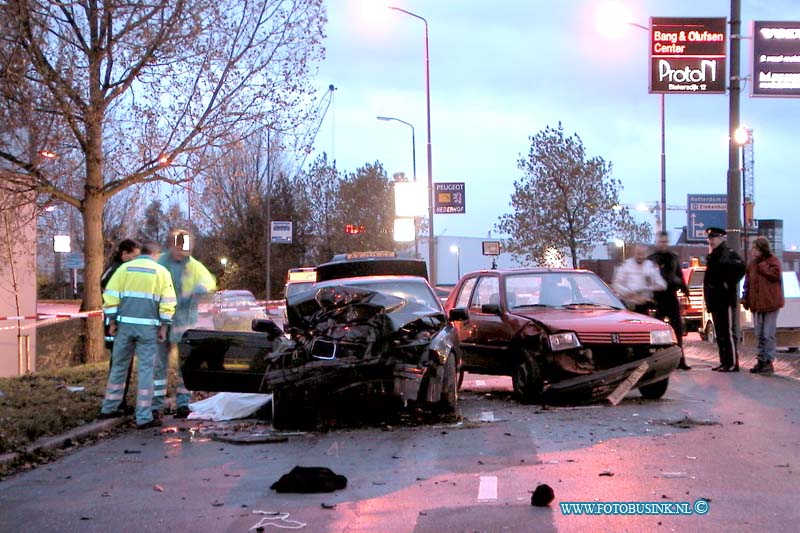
(527, 379)
(654, 391)
(448, 402)
(710, 334)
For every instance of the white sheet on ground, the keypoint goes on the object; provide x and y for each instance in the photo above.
(228, 406)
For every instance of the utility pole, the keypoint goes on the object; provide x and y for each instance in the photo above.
(734, 173)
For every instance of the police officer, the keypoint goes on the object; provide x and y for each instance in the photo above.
(724, 269)
(191, 280)
(139, 301)
(666, 301)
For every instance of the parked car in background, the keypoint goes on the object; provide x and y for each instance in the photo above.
(692, 308)
(299, 280)
(559, 334)
(234, 310)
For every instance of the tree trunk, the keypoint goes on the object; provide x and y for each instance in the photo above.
(92, 298)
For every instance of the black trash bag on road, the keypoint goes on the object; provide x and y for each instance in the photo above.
(309, 480)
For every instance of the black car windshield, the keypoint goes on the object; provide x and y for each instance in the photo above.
(559, 289)
(412, 290)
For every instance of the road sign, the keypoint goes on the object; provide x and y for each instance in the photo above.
(705, 211)
(491, 247)
(281, 231)
(688, 55)
(448, 198)
(776, 59)
(73, 261)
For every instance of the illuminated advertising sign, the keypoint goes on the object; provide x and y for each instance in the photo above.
(448, 198)
(687, 55)
(776, 59)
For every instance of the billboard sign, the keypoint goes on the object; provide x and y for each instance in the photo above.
(687, 55)
(281, 232)
(448, 198)
(776, 59)
(705, 211)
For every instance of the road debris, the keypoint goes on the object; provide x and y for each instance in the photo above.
(328, 505)
(217, 503)
(686, 422)
(158, 488)
(70, 388)
(228, 406)
(309, 480)
(673, 475)
(127, 452)
(276, 519)
(606, 473)
(542, 495)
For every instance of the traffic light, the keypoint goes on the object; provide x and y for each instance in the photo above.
(354, 229)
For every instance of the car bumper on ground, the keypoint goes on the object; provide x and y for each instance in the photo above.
(598, 385)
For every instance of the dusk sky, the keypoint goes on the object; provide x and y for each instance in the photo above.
(504, 70)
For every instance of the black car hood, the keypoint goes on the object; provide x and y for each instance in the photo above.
(354, 304)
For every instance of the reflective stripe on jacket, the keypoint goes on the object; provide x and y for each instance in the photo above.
(140, 292)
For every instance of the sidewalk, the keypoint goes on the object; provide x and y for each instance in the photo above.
(787, 364)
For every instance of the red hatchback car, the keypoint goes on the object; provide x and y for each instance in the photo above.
(560, 333)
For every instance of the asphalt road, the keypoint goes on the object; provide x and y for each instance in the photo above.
(475, 475)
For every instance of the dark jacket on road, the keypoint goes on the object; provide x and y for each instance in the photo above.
(763, 288)
(724, 269)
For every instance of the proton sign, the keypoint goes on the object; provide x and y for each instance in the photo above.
(705, 211)
(687, 55)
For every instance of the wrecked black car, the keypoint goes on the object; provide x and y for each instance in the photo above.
(379, 334)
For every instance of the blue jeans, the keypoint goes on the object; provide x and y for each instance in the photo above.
(764, 326)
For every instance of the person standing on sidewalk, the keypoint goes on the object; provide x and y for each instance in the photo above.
(666, 302)
(139, 301)
(763, 296)
(724, 269)
(191, 280)
(636, 279)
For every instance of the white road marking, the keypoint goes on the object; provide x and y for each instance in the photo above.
(487, 490)
(480, 383)
(487, 416)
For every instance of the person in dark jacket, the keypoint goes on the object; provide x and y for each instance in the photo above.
(127, 249)
(763, 296)
(724, 269)
(666, 301)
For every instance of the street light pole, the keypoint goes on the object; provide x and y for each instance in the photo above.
(734, 191)
(663, 148)
(431, 238)
(414, 170)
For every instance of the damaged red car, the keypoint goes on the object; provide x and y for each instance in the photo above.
(369, 328)
(560, 334)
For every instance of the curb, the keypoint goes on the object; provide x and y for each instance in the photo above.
(58, 441)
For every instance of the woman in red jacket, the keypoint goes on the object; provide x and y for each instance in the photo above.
(763, 296)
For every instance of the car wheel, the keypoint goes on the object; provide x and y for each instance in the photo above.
(710, 334)
(527, 379)
(654, 391)
(448, 402)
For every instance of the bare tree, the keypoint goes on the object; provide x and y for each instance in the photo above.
(566, 200)
(96, 97)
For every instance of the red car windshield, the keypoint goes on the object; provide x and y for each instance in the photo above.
(558, 289)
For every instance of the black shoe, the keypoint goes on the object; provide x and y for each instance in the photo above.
(152, 424)
(763, 367)
(757, 369)
(734, 368)
(127, 409)
(156, 415)
(181, 412)
(683, 366)
(117, 413)
(720, 368)
(728, 369)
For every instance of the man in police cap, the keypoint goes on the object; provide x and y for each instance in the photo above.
(724, 269)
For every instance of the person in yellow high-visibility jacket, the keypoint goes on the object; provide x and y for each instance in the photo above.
(192, 282)
(139, 302)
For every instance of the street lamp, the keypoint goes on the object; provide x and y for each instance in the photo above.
(663, 149)
(413, 141)
(431, 242)
(743, 136)
(456, 249)
(619, 243)
(224, 262)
